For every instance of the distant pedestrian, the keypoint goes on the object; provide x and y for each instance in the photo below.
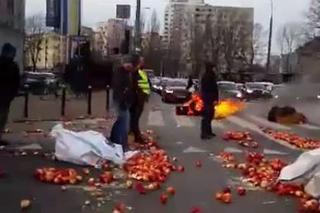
(9, 84)
(142, 87)
(190, 83)
(123, 97)
(210, 95)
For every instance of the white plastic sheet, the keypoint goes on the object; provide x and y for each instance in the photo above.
(86, 148)
(306, 170)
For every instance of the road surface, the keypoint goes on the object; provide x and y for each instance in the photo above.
(179, 136)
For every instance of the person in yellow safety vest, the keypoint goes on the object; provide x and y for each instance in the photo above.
(142, 93)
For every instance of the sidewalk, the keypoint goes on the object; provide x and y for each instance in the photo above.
(50, 108)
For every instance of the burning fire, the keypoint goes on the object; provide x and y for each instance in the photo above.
(224, 109)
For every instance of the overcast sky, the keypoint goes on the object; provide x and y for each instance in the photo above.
(100, 10)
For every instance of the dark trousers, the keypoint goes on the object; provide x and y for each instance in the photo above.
(207, 116)
(136, 111)
(4, 112)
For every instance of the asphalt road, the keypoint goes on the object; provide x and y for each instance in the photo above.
(179, 136)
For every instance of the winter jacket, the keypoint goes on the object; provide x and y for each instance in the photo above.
(123, 88)
(209, 87)
(9, 81)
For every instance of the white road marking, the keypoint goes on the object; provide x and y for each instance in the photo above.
(192, 149)
(309, 126)
(33, 146)
(233, 150)
(273, 152)
(184, 121)
(217, 124)
(155, 118)
(269, 124)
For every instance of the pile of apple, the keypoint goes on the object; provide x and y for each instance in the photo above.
(242, 138)
(151, 166)
(57, 176)
(263, 173)
(293, 139)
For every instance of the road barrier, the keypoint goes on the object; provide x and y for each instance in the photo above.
(26, 102)
(108, 98)
(89, 111)
(63, 101)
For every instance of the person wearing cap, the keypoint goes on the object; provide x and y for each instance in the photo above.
(210, 96)
(123, 97)
(9, 84)
(142, 93)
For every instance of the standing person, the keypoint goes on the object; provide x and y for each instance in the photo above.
(123, 95)
(9, 84)
(142, 94)
(210, 95)
(190, 83)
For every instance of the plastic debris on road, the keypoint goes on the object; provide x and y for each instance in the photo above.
(86, 148)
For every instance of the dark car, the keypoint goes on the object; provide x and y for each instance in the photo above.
(256, 90)
(175, 91)
(229, 89)
(40, 83)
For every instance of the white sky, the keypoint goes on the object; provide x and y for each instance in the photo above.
(101, 10)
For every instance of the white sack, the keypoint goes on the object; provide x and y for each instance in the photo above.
(85, 148)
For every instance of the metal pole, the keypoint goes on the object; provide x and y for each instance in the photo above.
(89, 100)
(63, 101)
(26, 102)
(108, 98)
(270, 38)
(138, 26)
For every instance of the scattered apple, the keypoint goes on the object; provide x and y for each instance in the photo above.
(171, 190)
(163, 198)
(24, 204)
(241, 191)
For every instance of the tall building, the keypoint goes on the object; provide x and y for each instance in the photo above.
(50, 54)
(12, 14)
(109, 36)
(183, 17)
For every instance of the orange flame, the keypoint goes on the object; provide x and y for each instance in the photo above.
(225, 108)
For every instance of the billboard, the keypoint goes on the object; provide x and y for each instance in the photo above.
(71, 17)
(123, 11)
(53, 13)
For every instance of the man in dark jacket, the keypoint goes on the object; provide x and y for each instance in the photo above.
(142, 87)
(210, 95)
(9, 83)
(123, 97)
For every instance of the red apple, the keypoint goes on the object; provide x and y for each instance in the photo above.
(163, 198)
(241, 191)
(226, 198)
(198, 164)
(171, 190)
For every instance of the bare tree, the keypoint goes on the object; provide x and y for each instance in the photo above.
(35, 30)
(151, 45)
(258, 44)
(314, 14)
(291, 36)
(154, 23)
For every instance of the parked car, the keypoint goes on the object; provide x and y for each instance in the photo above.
(40, 83)
(257, 90)
(229, 89)
(175, 91)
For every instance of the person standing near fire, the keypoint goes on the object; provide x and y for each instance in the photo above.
(210, 96)
(142, 94)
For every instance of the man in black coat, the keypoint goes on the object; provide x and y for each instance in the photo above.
(123, 97)
(210, 96)
(9, 83)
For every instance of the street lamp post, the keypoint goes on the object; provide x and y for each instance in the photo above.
(270, 38)
(138, 26)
